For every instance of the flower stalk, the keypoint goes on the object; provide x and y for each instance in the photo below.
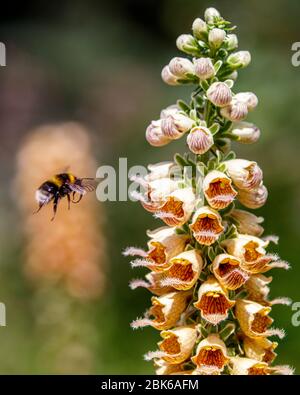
(208, 263)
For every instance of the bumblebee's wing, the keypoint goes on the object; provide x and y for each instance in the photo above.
(83, 185)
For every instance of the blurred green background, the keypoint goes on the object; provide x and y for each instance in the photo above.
(99, 63)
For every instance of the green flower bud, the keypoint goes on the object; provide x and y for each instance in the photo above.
(216, 37)
(199, 28)
(188, 44)
(210, 14)
(239, 59)
(231, 42)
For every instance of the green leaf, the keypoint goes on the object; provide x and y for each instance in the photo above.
(193, 115)
(211, 253)
(218, 65)
(183, 106)
(231, 155)
(180, 160)
(214, 128)
(204, 85)
(227, 331)
(229, 83)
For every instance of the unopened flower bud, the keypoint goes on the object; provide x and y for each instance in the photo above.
(246, 132)
(247, 223)
(245, 174)
(199, 28)
(254, 198)
(180, 67)
(219, 94)
(249, 98)
(168, 77)
(239, 59)
(204, 68)
(231, 42)
(216, 37)
(155, 136)
(200, 140)
(235, 111)
(187, 43)
(175, 125)
(210, 14)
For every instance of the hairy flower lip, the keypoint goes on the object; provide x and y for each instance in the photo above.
(227, 269)
(183, 271)
(165, 310)
(213, 301)
(249, 366)
(206, 225)
(218, 191)
(211, 353)
(261, 349)
(254, 319)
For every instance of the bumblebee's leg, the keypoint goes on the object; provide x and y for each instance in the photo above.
(78, 200)
(38, 209)
(55, 203)
(69, 201)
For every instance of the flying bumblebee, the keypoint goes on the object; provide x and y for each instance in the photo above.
(61, 185)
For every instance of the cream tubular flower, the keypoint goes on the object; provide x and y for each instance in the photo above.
(227, 270)
(200, 140)
(261, 349)
(219, 94)
(235, 111)
(163, 245)
(156, 193)
(254, 319)
(247, 223)
(155, 136)
(211, 355)
(254, 198)
(176, 346)
(246, 132)
(218, 190)
(168, 77)
(177, 208)
(244, 173)
(251, 251)
(165, 311)
(253, 367)
(180, 67)
(184, 270)
(175, 124)
(213, 301)
(187, 43)
(204, 68)
(206, 225)
(258, 287)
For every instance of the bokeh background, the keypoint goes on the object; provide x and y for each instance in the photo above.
(98, 63)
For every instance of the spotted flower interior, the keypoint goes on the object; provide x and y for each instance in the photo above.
(205, 266)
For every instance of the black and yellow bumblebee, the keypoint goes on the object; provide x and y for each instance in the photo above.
(61, 185)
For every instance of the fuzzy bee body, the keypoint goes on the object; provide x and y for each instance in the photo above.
(61, 185)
